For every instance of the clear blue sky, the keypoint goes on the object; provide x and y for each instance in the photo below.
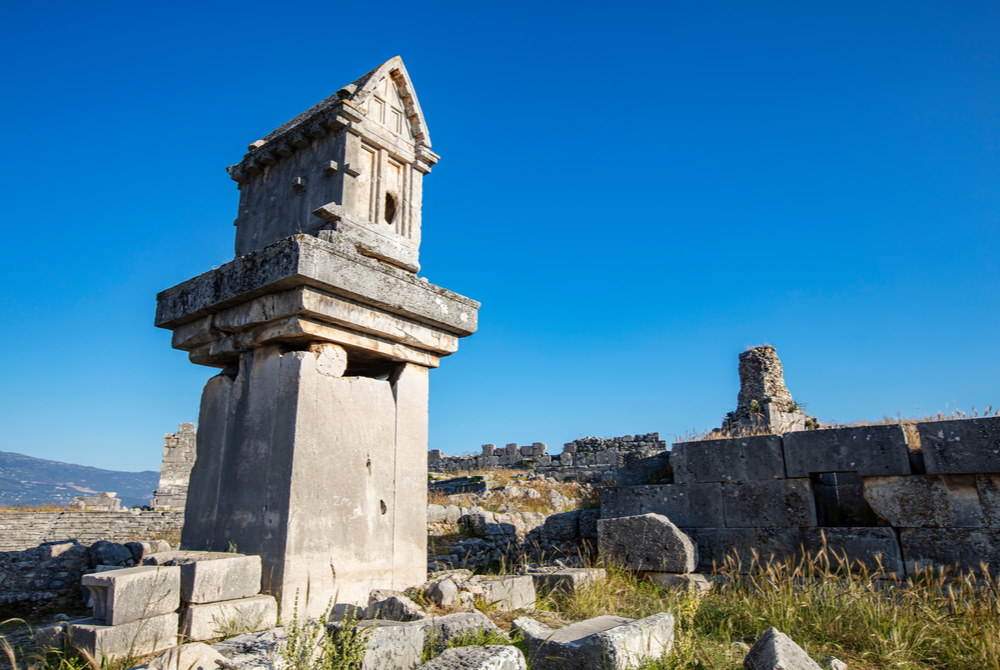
(635, 191)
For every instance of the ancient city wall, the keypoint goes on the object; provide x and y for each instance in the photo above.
(22, 530)
(910, 496)
(590, 459)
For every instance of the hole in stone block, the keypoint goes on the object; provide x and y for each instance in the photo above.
(389, 211)
(382, 506)
(840, 500)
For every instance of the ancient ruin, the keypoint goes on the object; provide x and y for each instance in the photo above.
(764, 403)
(313, 438)
(179, 451)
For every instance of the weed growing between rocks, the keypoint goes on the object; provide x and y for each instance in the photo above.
(314, 644)
(869, 618)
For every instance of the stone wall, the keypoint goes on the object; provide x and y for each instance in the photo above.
(908, 496)
(626, 460)
(471, 537)
(21, 530)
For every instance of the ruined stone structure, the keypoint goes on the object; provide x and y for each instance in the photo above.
(23, 530)
(764, 403)
(175, 472)
(104, 502)
(313, 438)
(907, 496)
(595, 460)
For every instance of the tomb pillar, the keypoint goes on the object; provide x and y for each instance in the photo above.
(312, 441)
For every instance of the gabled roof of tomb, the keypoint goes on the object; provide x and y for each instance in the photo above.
(336, 111)
(358, 93)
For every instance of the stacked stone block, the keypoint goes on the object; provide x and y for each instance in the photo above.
(134, 612)
(871, 493)
(220, 593)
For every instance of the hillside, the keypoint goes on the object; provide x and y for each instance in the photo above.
(25, 480)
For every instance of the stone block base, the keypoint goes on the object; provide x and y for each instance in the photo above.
(228, 618)
(128, 640)
(510, 593)
(569, 580)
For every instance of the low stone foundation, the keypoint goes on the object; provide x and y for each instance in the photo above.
(23, 530)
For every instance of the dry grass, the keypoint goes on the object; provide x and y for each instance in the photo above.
(869, 619)
(581, 496)
(42, 507)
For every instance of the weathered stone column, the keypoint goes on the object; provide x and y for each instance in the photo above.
(312, 442)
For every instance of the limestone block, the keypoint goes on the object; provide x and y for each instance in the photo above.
(128, 640)
(191, 656)
(988, 487)
(391, 645)
(926, 501)
(736, 459)
(602, 643)
(646, 542)
(588, 523)
(441, 629)
(833, 663)
(253, 651)
(129, 594)
(715, 545)
(776, 651)
(867, 450)
(563, 526)
(962, 548)
(672, 581)
(393, 606)
(769, 503)
(962, 446)
(568, 580)
(211, 576)
(510, 593)
(443, 593)
(694, 505)
(494, 657)
(872, 547)
(229, 617)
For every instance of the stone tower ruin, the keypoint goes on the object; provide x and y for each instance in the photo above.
(312, 440)
(764, 403)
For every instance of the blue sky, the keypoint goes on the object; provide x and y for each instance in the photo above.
(635, 191)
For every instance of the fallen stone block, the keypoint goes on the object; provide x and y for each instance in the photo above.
(492, 657)
(776, 651)
(874, 548)
(646, 542)
(602, 643)
(672, 581)
(192, 656)
(867, 450)
(443, 593)
(717, 545)
(509, 593)
(128, 640)
(393, 606)
(769, 503)
(229, 618)
(130, 594)
(735, 459)
(926, 501)
(694, 505)
(210, 576)
(568, 580)
(961, 446)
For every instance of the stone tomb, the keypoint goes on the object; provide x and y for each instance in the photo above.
(312, 441)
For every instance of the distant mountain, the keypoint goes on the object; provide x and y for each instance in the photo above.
(25, 480)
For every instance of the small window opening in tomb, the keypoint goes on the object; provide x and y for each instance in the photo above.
(389, 211)
(382, 505)
(368, 464)
(840, 500)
